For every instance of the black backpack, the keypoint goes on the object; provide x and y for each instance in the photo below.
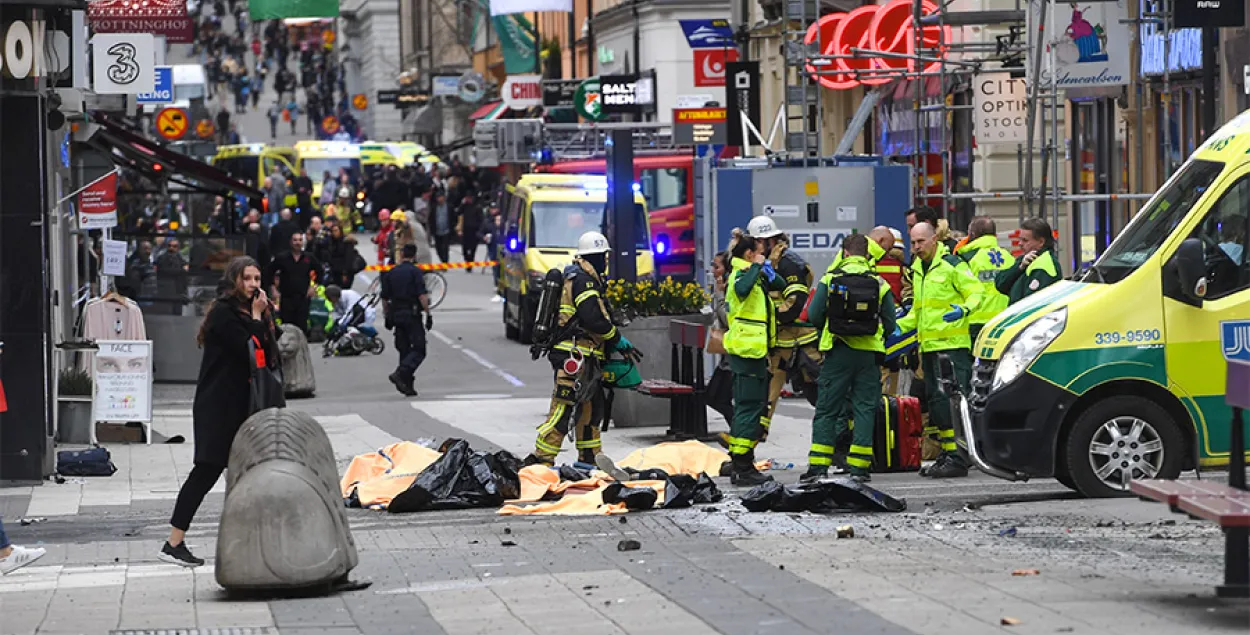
(854, 304)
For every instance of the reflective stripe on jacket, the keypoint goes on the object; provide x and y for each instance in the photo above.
(752, 323)
(946, 281)
(985, 259)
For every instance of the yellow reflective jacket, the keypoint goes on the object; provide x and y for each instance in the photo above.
(985, 259)
(944, 282)
(752, 322)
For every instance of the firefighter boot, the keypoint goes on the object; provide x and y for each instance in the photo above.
(744, 472)
(813, 474)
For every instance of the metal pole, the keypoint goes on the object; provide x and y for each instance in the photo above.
(1038, 45)
(1165, 100)
(1210, 40)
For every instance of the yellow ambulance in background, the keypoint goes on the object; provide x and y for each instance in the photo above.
(1121, 375)
(375, 155)
(544, 215)
(319, 157)
(252, 162)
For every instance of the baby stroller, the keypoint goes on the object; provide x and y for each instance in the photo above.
(350, 336)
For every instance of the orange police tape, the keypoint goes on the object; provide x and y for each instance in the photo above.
(438, 267)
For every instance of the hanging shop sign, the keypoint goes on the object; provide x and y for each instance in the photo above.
(887, 28)
(708, 34)
(63, 62)
(520, 92)
(155, 17)
(471, 87)
(97, 204)
(1208, 13)
(113, 260)
(122, 381)
(123, 63)
(1001, 104)
(445, 85)
(588, 100)
(1184, 50)
(627, 94)
(742, 91)
(709, 66)
(560, 93)
(1090, 44)
(695, 126)
(504, 7)
(410, 99)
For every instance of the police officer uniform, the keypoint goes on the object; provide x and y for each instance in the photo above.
(793, 334)
(850, 379)
(577, 358)
(986, 259)
(403, 289)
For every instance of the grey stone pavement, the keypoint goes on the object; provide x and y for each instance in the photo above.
(946, 565)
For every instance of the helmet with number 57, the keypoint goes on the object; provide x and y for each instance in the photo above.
(592, 243)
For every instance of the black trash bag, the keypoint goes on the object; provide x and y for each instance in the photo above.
(761, 498)
(635, 498)
(820, 497)
(683, 490)
(570, 473)
(462, 479)
(649, 474)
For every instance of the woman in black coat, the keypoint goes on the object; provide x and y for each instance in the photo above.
(240, 314)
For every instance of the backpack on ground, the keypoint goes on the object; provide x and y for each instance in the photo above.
(854, 304)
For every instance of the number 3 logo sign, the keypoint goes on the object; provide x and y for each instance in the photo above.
(123, 70)
(123, 63)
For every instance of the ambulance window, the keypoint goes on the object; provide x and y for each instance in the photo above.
(1152, 226)
(1223, 236)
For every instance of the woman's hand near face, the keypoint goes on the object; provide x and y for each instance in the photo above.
(260, 304)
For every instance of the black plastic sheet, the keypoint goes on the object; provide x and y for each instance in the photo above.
(462, 479)
(820, 497)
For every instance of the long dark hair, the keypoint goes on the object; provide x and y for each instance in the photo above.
(227, 290)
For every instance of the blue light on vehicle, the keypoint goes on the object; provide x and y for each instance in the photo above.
(637, 187)
(512, 244)
(660, 247)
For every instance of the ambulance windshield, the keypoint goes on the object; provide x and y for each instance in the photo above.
(1143, 236)
(561, 224)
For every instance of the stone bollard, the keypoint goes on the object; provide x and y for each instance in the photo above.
(283, 526)
(297, 368)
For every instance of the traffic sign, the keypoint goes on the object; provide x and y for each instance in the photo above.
(360, 101)
(708, 34)
(171, 123)
(163, 91)
(330, 124)
(328, 37)
(205, 128)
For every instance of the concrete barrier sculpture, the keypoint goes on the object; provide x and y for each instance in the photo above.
(283, 527)
(297, 368)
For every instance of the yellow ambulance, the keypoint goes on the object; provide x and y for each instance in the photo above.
(1120, 376)
(319, 157)
(544, 215)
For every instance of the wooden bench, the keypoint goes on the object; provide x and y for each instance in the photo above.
(1225, 505)
(1224, 511)
(686, 390)
(1170, 492)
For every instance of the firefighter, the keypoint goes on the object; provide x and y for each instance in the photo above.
(855, 308)
(946, 295)
(586, 334)
(792, 334)
(752, 332)
(986, 259)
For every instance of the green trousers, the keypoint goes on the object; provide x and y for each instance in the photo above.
(973, 331)
(939, 403)
(750, 403)
(850, 388)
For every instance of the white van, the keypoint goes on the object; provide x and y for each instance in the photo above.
(190, 89)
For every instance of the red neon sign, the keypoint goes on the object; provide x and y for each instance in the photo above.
(887, 28)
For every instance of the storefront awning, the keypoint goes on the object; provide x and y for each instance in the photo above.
(147, 154)
(489, 112)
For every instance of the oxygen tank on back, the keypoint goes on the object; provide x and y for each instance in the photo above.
(545, 321)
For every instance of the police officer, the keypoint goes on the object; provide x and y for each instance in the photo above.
(850, 382)
(985, 259)
(794, 281)
(946, 294)
(586, 333)
(404, 299)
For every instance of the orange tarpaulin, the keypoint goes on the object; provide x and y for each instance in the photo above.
(378, 477)
(588, 504)
(687, 457)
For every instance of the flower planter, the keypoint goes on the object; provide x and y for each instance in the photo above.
(632, 409)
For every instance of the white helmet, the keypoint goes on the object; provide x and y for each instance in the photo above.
(592, 243)
(345, 192)
(762, 227)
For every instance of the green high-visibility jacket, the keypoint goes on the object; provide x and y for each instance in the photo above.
(986, 259)
(1020, 283)
(939, 285)
(820, 299)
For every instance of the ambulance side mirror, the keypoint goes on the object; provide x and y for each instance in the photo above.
(1189, 270)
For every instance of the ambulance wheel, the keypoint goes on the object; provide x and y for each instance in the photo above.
(509, 331)
(528, 311)
(1119, 440)
(1062, 475)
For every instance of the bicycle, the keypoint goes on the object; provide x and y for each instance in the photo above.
(435, 286)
